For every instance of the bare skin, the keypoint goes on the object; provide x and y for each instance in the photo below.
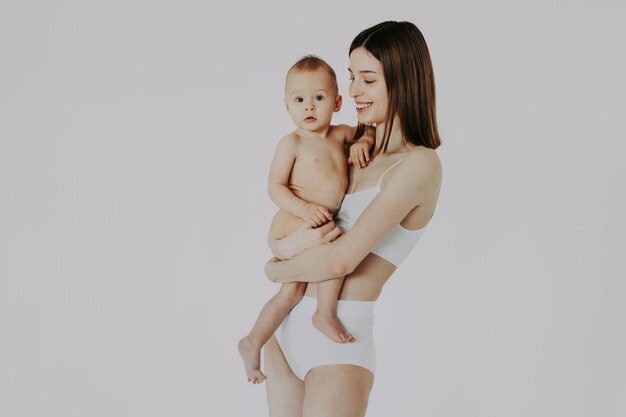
(331, 390)
(308, 177)
(251, 361)
(408, 197)
(308, 173)
(307, 180)
(251, 345)
(325, 389)
(318, 177)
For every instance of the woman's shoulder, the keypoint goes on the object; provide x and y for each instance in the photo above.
(418, 168)
(418, 175)
(422, 160)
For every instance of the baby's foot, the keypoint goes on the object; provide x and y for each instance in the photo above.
(331, 327)
(251, 356)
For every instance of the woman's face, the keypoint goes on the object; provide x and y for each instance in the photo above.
(367, 87)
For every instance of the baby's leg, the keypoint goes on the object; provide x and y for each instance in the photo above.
(325, 318)
(274, 311)
(270, 318)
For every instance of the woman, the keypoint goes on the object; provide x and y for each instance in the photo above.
(385, 211)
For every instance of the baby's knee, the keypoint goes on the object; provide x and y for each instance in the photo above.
(293, 293)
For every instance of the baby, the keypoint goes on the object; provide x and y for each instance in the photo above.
(307, 181)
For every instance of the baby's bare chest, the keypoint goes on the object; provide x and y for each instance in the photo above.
(321, 159)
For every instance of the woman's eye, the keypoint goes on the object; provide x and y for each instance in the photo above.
(368, 81)
(351, 79)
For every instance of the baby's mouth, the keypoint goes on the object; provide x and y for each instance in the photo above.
(310, 119)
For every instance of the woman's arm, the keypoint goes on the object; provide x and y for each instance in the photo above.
(415, 181)
(302, 238)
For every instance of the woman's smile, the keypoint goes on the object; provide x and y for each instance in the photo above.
(367, 86)
(362, 106)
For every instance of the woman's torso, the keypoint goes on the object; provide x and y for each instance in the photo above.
(369, 277)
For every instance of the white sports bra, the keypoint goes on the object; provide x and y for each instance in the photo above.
(400, 240)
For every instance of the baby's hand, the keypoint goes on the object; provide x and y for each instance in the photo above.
(315, 215)
(359, 154)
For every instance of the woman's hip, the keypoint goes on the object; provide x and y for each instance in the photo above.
(305, 347)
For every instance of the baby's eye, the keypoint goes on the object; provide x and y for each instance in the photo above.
(299, 99)
(319, 98)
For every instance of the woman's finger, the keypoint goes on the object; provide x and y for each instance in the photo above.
(326, 228)
(332, 235)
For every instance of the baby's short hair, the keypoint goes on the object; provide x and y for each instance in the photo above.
(312, 63)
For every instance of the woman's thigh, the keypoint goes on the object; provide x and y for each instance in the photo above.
(337, 391)
(285, 391)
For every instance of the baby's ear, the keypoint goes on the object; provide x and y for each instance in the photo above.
(338, 102)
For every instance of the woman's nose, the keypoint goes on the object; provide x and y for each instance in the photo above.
(353, 90)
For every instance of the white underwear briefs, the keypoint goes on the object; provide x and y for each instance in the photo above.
(305, 347)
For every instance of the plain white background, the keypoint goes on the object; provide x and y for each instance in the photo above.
(135, 140)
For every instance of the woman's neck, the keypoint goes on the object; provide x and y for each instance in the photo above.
(396, 142)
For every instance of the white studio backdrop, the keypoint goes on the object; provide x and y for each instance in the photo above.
(135, 140)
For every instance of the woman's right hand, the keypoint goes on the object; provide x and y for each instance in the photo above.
(302, 238)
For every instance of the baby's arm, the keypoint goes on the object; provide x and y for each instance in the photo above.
(360, 150)
(285, 156)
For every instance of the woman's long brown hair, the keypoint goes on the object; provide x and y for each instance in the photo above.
(401, 49)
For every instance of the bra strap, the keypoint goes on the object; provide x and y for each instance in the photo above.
(387, 170)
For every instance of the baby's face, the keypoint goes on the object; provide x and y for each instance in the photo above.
(311, 99)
